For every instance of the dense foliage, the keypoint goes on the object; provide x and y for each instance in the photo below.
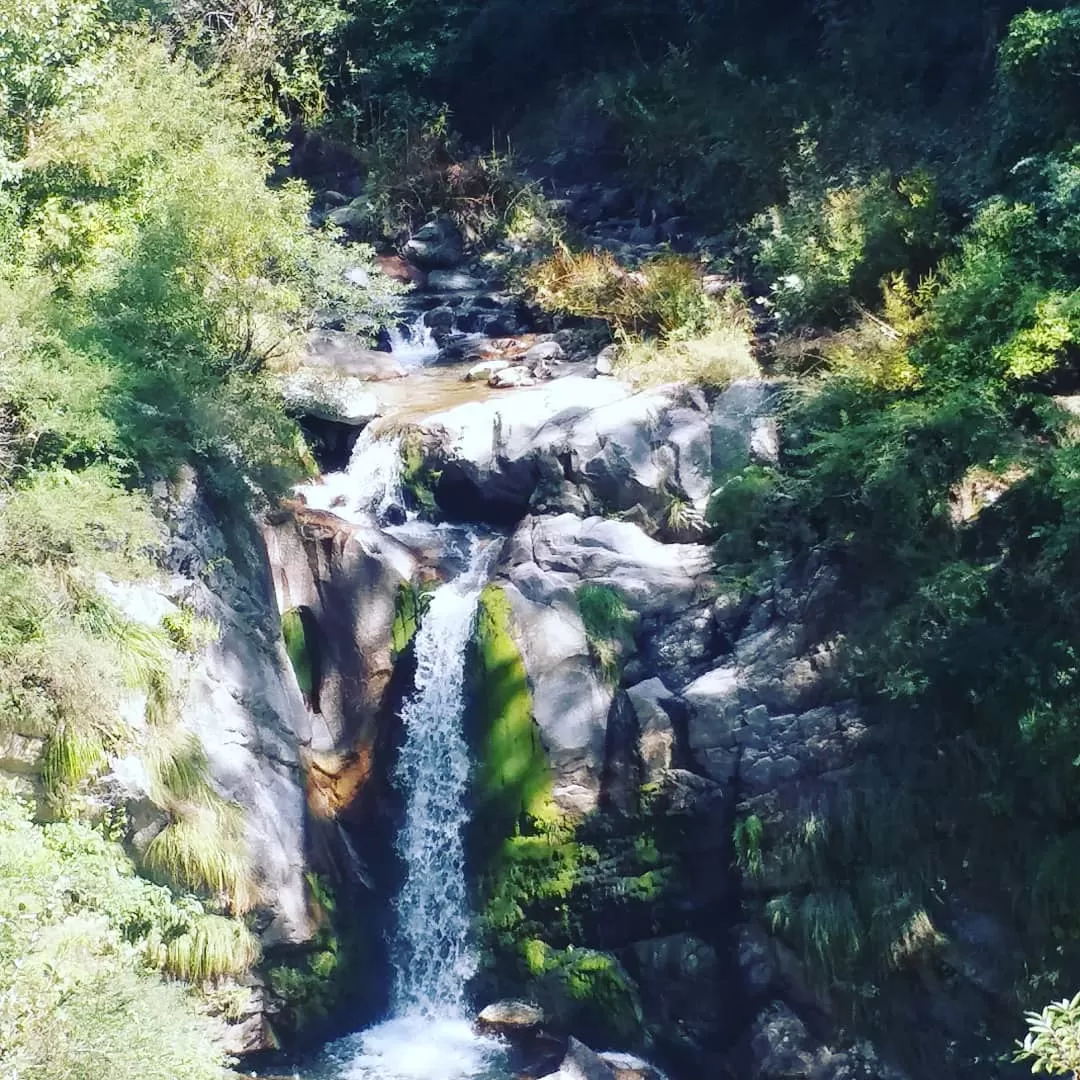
(150, 280)
(897, 186)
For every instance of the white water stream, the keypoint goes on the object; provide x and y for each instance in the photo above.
(430, 1036)
(370, 483)
(415, 345)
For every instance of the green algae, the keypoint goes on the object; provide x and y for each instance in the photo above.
(513, 779)
(530, 863)
(296, 629)
(410, 603)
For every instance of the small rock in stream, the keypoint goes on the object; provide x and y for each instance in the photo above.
(541, 356)
(629, 1067)
(510, 1018)
(605, 362)
(581, 1063)
(485, 370)
(511, 377)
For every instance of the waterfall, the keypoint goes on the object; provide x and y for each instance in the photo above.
(370, 483)
(415, 345)
(435, 959)
(430, 1036)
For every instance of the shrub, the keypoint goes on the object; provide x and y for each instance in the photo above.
(190, 633)
(721, 353)
(663, 296)
(210, 948)
(79, 934)
(417, 168)
(826, 248)
(1052, 1043)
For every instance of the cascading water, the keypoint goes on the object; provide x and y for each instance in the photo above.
(435, 959)
(370, 484)
(429, 1036)
(415, 344)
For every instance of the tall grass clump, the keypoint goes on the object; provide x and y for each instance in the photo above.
(212, 947)
(607, 622)
(204, 847)
(661, 297)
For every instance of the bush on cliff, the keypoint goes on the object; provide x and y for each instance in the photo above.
(149, 276)
(81, 941)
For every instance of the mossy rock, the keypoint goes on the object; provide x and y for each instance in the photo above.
(297, 628)
(513, 779)
(324, 985)
(410, 603)
(419, 478)
(585, 992)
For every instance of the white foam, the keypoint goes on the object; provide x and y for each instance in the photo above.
(370, 484)
(414, 346)
(421, 1048)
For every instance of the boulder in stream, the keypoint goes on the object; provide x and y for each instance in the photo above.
(581, 1063)
(438, 245)
(510, 1018)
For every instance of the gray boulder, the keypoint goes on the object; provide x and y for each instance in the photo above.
(588, 445)
(575, 708)
(438, 245)
(450, 281)
(343, 353)
(651, 701)
(581, 1063)
(327, 395)
(679, 976)
(356, 216)
(510, 1018)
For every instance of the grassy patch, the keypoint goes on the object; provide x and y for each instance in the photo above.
(607, 621)
(662, 297)
(205, 848)
(718, 355)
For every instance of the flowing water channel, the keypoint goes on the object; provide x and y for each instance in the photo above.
(429, 1035)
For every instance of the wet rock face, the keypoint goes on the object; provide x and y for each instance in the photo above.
(721, 705)
(591, 445)
(346, 579)
(242, 700)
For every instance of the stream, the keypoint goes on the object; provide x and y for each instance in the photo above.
(429, 1033)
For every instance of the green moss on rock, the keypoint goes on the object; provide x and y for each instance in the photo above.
(513, 779)
(418, 478)
(296, 630)
(327, 976)
(585, 990)
(530, 860)
(410, 603)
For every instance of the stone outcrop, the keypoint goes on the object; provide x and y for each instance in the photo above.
(241, 699)
(545, 563)
(510, 1018)
(345, 578)
(438, 245)
(593, 446)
